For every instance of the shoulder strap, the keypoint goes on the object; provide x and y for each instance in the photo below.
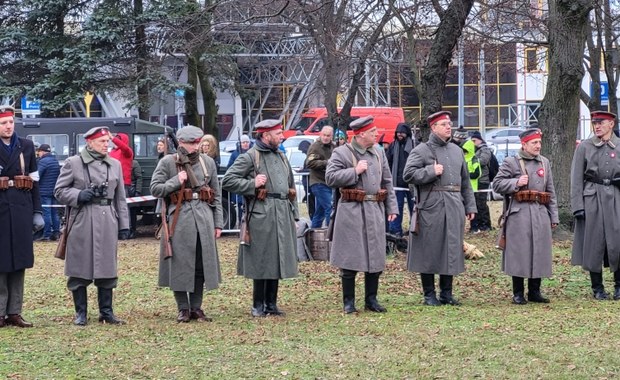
(22, 163)
(204, 167)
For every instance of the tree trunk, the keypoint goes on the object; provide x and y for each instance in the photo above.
(208, 101)
(141, 63)
(559, 111)
(191, 100)
(434, 74)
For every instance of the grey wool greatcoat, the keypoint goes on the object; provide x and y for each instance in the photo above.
(92, 241)
(358, 238)
(272, 253)
(528, 224)
(17, 208)
(600, 231)
(197, 220)
(438, 246)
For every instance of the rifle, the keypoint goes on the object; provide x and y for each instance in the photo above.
(61, 249)
(165, 231)
(501, 241)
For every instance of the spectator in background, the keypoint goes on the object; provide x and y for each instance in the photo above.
(161, 149)
(49, 169)
(482, 221)
(397, 154)
(318, 154)
(123, 153)
(244, 145)
(473, 166)
(208, 146)
(135, 190)
(459, 136)
(341, 138)
(308, 196)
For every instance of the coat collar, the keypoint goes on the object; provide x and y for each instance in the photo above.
(613, 142)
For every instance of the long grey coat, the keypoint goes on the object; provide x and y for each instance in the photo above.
(358, 241)
(438, 247)
(600, 231)
(528, 225)
(92, 241)
(272, 254)
(197, 220)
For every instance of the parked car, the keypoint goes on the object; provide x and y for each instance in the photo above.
(504, 136)
(296, 159)
(294, 141)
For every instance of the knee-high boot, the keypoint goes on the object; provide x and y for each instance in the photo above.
(348, 290)
(533, 291)
(598, 289)
(271, 298)
(428, 286)
(106, 314)
(371, 286)
(518, 289)
(258, 298)
(617, 285)
(80, 300)
(445, 285)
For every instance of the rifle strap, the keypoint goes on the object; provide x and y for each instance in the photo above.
(523, 171)
(175, 216)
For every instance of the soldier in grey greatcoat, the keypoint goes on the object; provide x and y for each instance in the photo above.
(194, 222)
(91, 184)
(358, 237)
(529, 217)
(445, 198)
(264, 177)
(20, 216)
(595, 202)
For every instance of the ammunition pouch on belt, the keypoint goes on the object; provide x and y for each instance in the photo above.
(357, 195)
(21, 182)
(205, 194)
(261, 194)
(532, 196)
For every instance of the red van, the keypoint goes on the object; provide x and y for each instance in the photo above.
(386, 119)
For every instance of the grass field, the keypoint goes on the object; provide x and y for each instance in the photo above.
(572, 337)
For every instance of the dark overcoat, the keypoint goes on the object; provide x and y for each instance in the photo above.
(599, 233)
(438, 246)
(196, 220)
(92, 241)
(358, 239)
(272, 254)
(528, 224)
(17, 207)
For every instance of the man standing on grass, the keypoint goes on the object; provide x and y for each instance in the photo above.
(264, 176)
(397, 154)
(20, 216)
(595, 202)
(445, 199)
(531, 214)
(187, 181)
(360, 172)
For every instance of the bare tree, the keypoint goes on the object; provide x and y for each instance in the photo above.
(559, 112)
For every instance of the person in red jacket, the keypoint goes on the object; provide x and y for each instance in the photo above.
(123, 152)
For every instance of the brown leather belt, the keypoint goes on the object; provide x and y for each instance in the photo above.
(451, 188)
(533, 196)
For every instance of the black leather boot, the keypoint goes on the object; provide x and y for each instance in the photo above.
(106, 314)
(271, 298)
(428, 286)
(348, 290)
(445, 296)
(80, 300)
(517, 291)
(617, 285)
(258, 298)
(598, 289)
(533, 291)
(371, 286)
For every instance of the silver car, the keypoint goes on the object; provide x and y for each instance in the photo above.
(504, 136)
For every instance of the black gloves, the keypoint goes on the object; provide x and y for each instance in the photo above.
(123, 234)
(580, 215)
(86, 196)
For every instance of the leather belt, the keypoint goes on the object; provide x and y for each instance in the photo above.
(451, 188)
(277, 196)
(605, 181)
(101, 201)
(367, 198)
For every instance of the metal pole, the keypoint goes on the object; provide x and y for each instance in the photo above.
(461, 90)
(482, 95)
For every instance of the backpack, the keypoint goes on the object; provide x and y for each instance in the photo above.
(493, 167)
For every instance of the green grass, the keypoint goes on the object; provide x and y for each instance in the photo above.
(487, 337)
